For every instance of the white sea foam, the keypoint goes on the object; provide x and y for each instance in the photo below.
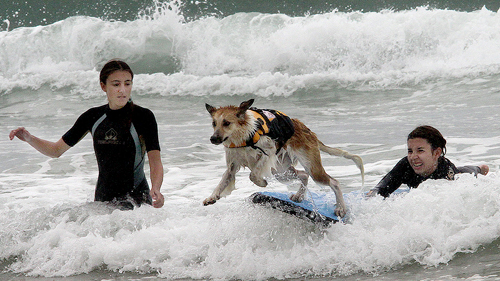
(56, 236)
(267, 54)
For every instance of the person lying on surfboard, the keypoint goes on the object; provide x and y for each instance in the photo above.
(122, 133)
(425, 160)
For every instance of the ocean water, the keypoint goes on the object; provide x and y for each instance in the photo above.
(361, 75)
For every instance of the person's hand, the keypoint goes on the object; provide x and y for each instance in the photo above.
(158, 199)
(21, 133)
(484, 169)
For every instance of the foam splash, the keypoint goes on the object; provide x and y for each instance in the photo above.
(427, 226)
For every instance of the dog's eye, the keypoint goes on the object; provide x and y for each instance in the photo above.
(226, 123)
(214, 124)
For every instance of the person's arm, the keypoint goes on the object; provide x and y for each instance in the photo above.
(51, 149)
(156, 174)
(483, 169)
(390, 182)
(387, 185)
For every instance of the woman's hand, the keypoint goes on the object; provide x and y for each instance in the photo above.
(21, 133)
(158, 199)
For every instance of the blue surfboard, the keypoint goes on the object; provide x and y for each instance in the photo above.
(319, 207)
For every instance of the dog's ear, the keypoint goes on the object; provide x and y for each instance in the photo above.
(244, 106)
(210, 109)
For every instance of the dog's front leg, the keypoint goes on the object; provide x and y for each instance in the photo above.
(258, 180)
(226, 185)
(257, 171)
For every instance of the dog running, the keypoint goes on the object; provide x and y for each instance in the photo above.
(270, 143)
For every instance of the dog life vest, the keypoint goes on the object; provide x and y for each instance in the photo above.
(272, 123)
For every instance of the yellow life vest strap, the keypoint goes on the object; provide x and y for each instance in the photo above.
(262, 129)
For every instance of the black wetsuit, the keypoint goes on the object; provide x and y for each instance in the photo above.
(403, 173)
(121, 138)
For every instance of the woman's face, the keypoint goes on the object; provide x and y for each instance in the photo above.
(422, 158)
(118, 88)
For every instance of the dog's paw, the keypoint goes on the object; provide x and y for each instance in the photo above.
(297, 197)
(209, 201)
(340, 211)
(257, 180)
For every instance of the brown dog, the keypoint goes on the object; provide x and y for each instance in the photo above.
(270, 143)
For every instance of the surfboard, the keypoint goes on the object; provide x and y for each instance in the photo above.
(318, 207)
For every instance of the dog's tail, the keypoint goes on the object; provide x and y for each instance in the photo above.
(342, 153)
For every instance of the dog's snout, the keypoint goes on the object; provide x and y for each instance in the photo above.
(215, 139)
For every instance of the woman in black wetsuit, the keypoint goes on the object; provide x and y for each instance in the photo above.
(122, 134)
(425, 160)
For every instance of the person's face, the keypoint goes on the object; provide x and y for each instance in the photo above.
(118, 88)
(422, 158)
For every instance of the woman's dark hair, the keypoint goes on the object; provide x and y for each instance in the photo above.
(431, 134)
(112, 66)
(118, 65)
